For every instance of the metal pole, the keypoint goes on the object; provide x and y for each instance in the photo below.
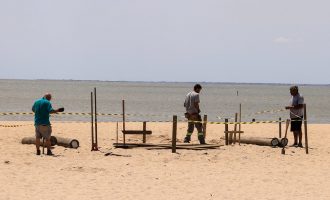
(174, 132)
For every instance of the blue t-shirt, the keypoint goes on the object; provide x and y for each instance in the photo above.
(42, 108)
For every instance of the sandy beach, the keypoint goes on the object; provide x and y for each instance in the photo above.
(230, 172)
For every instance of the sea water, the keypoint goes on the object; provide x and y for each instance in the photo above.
(159, 101)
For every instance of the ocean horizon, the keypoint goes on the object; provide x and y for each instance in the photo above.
(158, 101)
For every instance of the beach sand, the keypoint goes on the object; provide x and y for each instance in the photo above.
(230, 172)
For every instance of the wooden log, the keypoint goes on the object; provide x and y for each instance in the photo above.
(273, 142)
(283, 142)
(32, 140)
(67, 142)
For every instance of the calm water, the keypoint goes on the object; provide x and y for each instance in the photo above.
(163, 99)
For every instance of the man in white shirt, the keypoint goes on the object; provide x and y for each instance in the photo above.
(296, 115)
(191, 104)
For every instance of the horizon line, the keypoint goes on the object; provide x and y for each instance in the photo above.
(206, 82)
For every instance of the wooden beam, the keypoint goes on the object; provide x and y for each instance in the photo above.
(136, 132)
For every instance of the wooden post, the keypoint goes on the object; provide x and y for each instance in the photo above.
(226, 131)
(92, 120)
(235, 127)
(123, 106)
(144, 132)
(239, 125)
(280, 127)
(117, 134)
(43, 145)
(174, 132)
(204, 125)
(305, 125)
(96, 143)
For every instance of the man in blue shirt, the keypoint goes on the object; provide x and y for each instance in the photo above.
(42, 108)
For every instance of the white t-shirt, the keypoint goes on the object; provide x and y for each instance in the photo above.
(296, 112)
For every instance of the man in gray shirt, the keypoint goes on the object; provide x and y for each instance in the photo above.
(296, 115)
(191, 104)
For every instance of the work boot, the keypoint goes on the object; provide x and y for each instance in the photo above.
(201, 139)
(187, 139)
(38, 152)
(49, 152)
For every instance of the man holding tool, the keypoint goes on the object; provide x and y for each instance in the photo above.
(191, 104)
(296, 115)
(42, 108)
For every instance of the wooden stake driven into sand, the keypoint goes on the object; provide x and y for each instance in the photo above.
(94, 120)
(204, 125)
(174, 131)
(280, 127)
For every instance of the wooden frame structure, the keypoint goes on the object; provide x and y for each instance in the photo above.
(144, 132)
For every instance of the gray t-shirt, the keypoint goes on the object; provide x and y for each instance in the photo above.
(296, 112)
(189, 103)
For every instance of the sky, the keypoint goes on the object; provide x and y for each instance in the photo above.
(248, 41)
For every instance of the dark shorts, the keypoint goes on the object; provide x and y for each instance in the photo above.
(296, 124)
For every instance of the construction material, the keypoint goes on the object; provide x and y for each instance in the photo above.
(32, 140)
(167, 146)
(144, 131)
(279, 127)
(204, 125)
(67, 142)
(273, 142)
(174, 132)
(305, 127)
(94, 121)
(283, 142)
(286, 133)
(226, 132)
